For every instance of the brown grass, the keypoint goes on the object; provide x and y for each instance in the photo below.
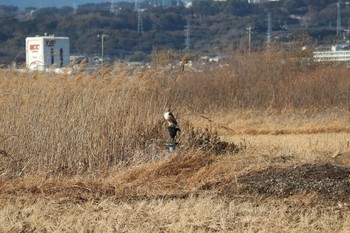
(64, 124)
(175, 194)
(194, 214)
(85, 152)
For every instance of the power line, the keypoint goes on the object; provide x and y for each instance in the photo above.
(139, 21)
(338, 19)
(75, 7)
(269, 29)
(187, 35)
(112, 9)
(136, 6)
(139, 17)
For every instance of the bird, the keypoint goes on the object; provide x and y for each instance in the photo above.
(169, 117)
(172, 133)
(173, 127)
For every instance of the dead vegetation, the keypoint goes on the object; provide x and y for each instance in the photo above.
(87, 122)
(257, 135)
(183, 175)
(184, 193)
(193, 214)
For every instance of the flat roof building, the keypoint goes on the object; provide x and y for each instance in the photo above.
(44, 52)
(338, 53)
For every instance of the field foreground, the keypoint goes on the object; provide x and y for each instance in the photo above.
(264, 147)
(295, 180)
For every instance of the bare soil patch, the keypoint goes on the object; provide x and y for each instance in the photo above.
(328, 181)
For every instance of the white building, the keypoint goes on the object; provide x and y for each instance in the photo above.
(43, 52)
(338, 53)
(262, 1)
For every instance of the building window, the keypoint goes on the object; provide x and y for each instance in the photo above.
(52, 56)
(61, 57)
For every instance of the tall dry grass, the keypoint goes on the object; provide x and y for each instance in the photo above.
(63, 123)
(194, 214)
(89, 122)
(270, 79)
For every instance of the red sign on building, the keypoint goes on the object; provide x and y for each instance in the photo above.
(34, 47)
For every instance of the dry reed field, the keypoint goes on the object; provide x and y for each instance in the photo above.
(264, 147)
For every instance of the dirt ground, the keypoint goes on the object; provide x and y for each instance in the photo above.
(328, 181)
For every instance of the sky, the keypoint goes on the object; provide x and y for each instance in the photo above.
(47, 3)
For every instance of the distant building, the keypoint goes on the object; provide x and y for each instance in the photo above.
(43, 52)
(188, 4)
(165, 3)
(338, 53)
(262, 1)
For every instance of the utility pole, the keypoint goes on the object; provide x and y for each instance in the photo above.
(136, 6)
(338, 20)
(269, 29)
(74, 8)
(249, 31)
(103, 37)
(112, 8)
(139, 17)
(139, 21)
(187, 35)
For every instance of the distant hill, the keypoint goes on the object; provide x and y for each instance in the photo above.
(214, 27)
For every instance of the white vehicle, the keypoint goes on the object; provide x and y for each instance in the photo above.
(44, 52)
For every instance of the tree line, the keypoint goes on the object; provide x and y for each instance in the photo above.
(213, 26)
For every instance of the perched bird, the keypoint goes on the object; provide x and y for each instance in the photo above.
(169, 117)
(173, 127)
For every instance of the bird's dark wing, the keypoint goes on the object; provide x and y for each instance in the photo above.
(173, 131)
